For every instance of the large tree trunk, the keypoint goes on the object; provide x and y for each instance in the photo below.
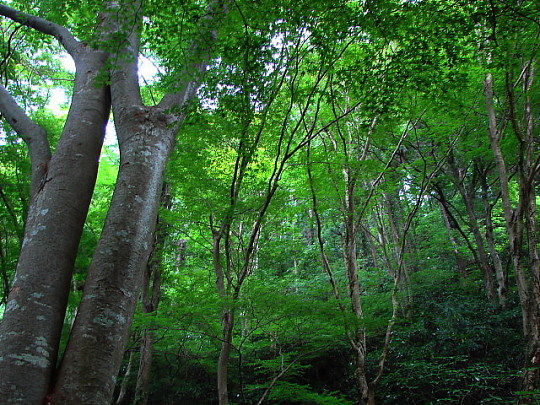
(94, 353)
(146, 136)
(34, 315)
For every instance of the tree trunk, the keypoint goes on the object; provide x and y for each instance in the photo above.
(125, 381)
(369, 244)
(34, 315)
(483, 259)
(145, 363)
(529, 168)
(401, 272)
(518, 221)
(500, 272)
(224, 355)
(460, 263)
(145, 136)
(351, 267)
(95, 349)
(150, 301)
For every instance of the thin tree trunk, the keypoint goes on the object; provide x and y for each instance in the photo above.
(147, 342)
(518, 221)
(454, 223)
(125, 380)
(4, 275)
(483, 259)
(150, 301)
(370, 245)
(500, 272)
(400, 245)
(227, 315)
(460, 263)
(227, 320)
(9, 207)
(531, 166)
(351, 267)
(145, 364)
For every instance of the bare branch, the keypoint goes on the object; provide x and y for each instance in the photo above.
(32, 134)
(62, 34)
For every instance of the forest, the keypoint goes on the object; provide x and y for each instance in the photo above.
(269, 202)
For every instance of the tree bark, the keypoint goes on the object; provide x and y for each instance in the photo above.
(34, 315)
(150, 301)
(224, 355)
(351, 267)
(100, 332)
(146, 137)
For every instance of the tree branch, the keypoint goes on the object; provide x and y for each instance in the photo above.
(31, 133)
(62, 34)
(125, 87)
(199, 56)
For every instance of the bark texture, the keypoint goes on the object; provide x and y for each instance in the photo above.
(34, 315)
(146, 138)
(151, 295)
(94, 353)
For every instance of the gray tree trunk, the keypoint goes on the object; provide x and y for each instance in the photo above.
(150, 301)
(125, 381)
(500, 272)
(224, 355)
(351, 267)
(460, 263)
(33, 319)
(94, 353)
(521, 224)
(146, 137)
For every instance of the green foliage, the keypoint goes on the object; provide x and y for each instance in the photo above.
(383, 92)
(290, 393)
(14, 185)
(455, 347)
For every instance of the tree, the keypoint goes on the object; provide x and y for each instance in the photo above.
(386, 97)
(61, 187)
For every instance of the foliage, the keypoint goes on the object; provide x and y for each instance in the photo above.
(304, 102)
